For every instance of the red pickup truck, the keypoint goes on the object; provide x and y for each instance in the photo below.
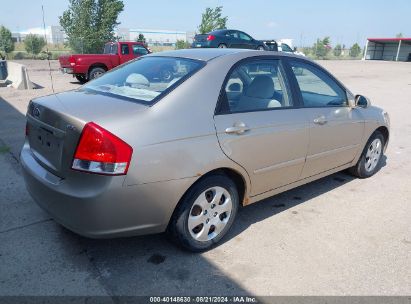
(86, 67)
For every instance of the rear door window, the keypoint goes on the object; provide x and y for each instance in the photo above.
(232, 34)
(256, 85)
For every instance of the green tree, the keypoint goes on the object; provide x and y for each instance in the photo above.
(89, 24)
(6, 42)
(399, 35)
(182, 44)
(34, 44)
(307, 50)
(337, 50)
(212, 20)
(321, 48)
(355, 50)
(141, 38)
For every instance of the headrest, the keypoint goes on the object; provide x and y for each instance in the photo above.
(137, 81)
(262, 86)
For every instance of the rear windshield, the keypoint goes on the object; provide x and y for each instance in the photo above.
(145, 80)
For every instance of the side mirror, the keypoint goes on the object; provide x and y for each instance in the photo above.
(295, 49)
(362, 101)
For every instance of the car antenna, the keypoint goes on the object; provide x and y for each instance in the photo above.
(47, 50)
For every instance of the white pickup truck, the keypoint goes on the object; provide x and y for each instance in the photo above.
(281, 46)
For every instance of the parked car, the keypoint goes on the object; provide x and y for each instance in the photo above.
(86, 67)
(227, 39)
(124, 156)
(278, 46)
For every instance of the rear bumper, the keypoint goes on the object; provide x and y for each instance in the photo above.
(67, 70)
(76, 69)
(100, 206)
(203, 44)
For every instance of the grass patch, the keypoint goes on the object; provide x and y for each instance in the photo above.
(4, 149)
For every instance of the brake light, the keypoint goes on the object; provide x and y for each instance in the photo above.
(72, 60)
(27, 128)
(210, 37)
(101, 152)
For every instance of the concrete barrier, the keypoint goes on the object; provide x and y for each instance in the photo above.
(18, 76)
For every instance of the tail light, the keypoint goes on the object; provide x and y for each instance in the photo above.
(72, 61)
(27, 129)
(210, 37)
(101, 152)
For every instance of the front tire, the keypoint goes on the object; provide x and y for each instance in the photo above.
(260, 48)
(370, 160)
(222, 46)
(205, 214)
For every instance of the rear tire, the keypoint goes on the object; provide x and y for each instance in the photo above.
(222, 46)
(81, 78)
(95, 73)
(370, 160)
(205, 214)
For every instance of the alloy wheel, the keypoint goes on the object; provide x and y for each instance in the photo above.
(210, 214)
(373, 155)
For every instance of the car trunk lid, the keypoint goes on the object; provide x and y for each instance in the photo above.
(200, 38)
(55, 123)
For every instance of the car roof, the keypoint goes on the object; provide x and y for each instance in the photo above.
(219, 31)
(203, 54)
(207, 54)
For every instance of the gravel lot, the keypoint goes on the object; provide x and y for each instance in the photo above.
(335, 236)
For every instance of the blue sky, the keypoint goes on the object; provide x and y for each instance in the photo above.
(346, 21)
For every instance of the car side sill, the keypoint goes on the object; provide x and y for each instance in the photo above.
(301, 182)
(280, 165)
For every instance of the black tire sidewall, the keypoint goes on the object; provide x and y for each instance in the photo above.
(180, 223)
(93, 70)
(81, 78)
(360, 168)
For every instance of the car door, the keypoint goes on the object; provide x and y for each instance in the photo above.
(336, 128)
(125, 53)
(259, 126)
(246, 41)
(233, 40)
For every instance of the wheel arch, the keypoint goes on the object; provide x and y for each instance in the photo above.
(238, 179)
(386, 133)
(97, 65)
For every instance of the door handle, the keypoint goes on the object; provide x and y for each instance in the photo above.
(320, 120)
(237, 128)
